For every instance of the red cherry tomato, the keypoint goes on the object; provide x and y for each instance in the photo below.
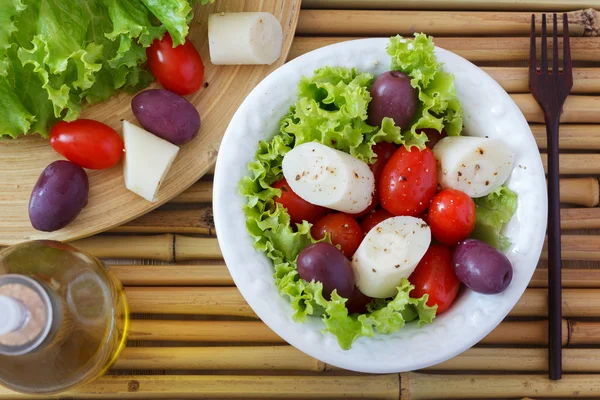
(298, 208)
(435, 276)
(408, 181)
(87, 143)
(433, 135)
(451, 216)
(344, 231)
(371, 220)
(384, 151)
(178, 69)
(358, 302)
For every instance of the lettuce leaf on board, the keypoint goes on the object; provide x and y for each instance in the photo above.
(63, 53)
(331, 109)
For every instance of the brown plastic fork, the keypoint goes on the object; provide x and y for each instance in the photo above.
(550, 88)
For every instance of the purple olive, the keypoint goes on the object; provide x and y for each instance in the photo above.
(393, 97)
(324, 263)
(60, 193)
(481, 267)
(167, 115)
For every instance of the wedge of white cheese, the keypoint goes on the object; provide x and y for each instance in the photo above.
(389, 252)
(147, 161)
(474, 165)
(328, 177)
(244, 38)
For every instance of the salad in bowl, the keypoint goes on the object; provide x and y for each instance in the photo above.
(382, 200)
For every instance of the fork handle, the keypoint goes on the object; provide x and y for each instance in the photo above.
(554, 256)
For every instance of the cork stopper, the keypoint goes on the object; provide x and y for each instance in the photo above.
(28, 312)
(13, 315)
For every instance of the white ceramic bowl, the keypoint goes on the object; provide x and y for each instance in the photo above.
(489, 111)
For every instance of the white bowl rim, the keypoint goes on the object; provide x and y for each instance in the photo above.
(411, 348)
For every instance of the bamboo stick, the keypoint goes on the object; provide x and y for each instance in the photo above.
(288, 358)
(229, 301)
(578, 248)
(580, 218)
(572, 137)
(417, 386)
(576, 164)
(495, 5)
(584, 332)
(516, 79)
(376, 387)
(218, 275)
(471, 23)
(578, 109)
(173, 221)
(576, 303)
(575, 247)
(580, 191)
(186, 300)
(191, 248)
(218, 358)
(173, 275)
(472, 48)
(200, 192)
(571, 277)
(209, 331)
(522, 332)
(158, 247)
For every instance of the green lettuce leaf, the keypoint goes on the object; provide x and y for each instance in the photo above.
(67, 52)
(332, 110)
(493, 212)
(439, 107)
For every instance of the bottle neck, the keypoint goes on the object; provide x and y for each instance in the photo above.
(26, 314)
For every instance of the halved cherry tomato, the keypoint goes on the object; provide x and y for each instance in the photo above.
(344, 231)
(384, 151)
(87, 143)
(451, 216)
(435, 276)
(371, 220)
(433, 135)
(178, 69)
(408, 181)
(298, 208)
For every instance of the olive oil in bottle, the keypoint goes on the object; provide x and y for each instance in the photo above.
(63, 317)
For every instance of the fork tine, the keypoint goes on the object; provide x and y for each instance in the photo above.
(555, 46)
(544, 58)
(532, 52)
(567, 71)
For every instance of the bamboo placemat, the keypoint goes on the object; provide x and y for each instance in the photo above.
(193, 335)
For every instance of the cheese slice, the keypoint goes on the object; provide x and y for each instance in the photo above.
(147, 161)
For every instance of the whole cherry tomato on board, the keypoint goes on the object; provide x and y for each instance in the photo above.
(408, 181)
(371, 220)
(298, 208)
(435, 276)
(87, 143)
(344, 231)
(178, 69)
(451, 216)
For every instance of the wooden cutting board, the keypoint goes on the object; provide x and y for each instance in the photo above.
(110, 203)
